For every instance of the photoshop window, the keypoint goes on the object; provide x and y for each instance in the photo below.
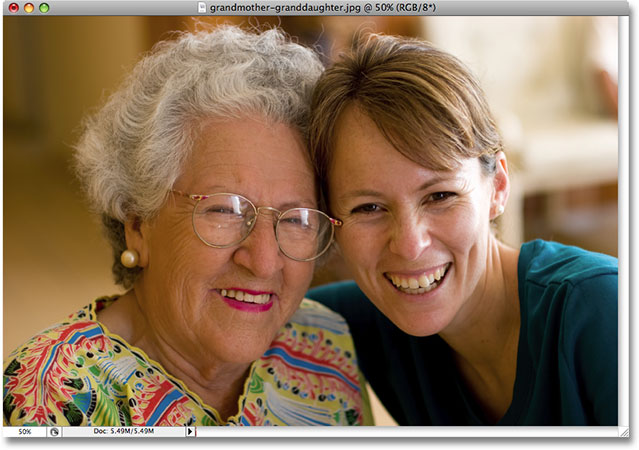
(146, 145)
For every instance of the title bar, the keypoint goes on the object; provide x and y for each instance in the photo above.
(314, 8)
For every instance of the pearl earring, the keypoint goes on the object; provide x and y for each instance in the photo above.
(500, 210)
(129, 258)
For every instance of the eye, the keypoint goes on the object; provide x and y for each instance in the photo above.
(218, 209)
(220, 212)
(288, 220)
(440, 196)
(368, 208)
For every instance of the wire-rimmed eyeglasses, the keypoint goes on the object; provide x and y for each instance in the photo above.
(223, 220)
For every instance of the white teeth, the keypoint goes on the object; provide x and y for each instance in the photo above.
(418, 285)
(245, 297)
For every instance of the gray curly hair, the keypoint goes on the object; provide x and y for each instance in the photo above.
(132, 150)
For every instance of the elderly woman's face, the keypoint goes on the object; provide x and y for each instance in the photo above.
(415, 239)
(188, 284)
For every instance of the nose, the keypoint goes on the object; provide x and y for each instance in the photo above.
(409, 237)
(259, 252)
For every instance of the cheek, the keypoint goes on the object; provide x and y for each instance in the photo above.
(458, 231)
(297, 278)
(358, 249)
(178, 258)
(179, 270)
(466, 238)
(462, 226)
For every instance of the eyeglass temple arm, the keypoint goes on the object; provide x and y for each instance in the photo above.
(191, 196)
(336, 222)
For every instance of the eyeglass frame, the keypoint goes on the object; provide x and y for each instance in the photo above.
(199, 197)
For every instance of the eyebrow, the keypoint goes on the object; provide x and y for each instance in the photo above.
(282, 207)
(210, 190)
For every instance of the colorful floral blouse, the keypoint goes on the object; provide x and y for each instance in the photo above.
(77, 373)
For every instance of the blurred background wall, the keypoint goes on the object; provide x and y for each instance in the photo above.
(550, 80)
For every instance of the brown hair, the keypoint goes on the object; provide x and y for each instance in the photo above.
(424, 101)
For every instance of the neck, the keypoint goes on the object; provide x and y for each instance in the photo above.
(491, 314)
(485, 338)
(218, 384)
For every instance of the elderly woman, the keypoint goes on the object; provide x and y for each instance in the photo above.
(199, 169)
(467, 330)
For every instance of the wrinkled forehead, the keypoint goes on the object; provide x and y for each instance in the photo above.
(257, 156)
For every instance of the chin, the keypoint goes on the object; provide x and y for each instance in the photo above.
(413, 319)
(416, 327)
(243, 355)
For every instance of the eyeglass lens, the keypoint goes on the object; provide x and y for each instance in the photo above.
(224, 220)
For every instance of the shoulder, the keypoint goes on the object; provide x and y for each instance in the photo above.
(310, 373)
(568, 293)
(43, 372)
(569, 299)
(71, 333)
(312, 314)
(551, 262)
(315, 333)
(77, 329)
(566, 277)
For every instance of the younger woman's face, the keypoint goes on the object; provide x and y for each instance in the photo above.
(415, 239)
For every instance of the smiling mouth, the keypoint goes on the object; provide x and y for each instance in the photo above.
(419, 285)
(245, 297)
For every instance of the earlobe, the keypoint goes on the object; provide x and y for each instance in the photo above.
(136, 234)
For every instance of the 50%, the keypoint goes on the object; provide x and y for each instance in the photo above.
(384, 7)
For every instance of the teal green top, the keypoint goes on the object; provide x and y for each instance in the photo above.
(566, 360)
